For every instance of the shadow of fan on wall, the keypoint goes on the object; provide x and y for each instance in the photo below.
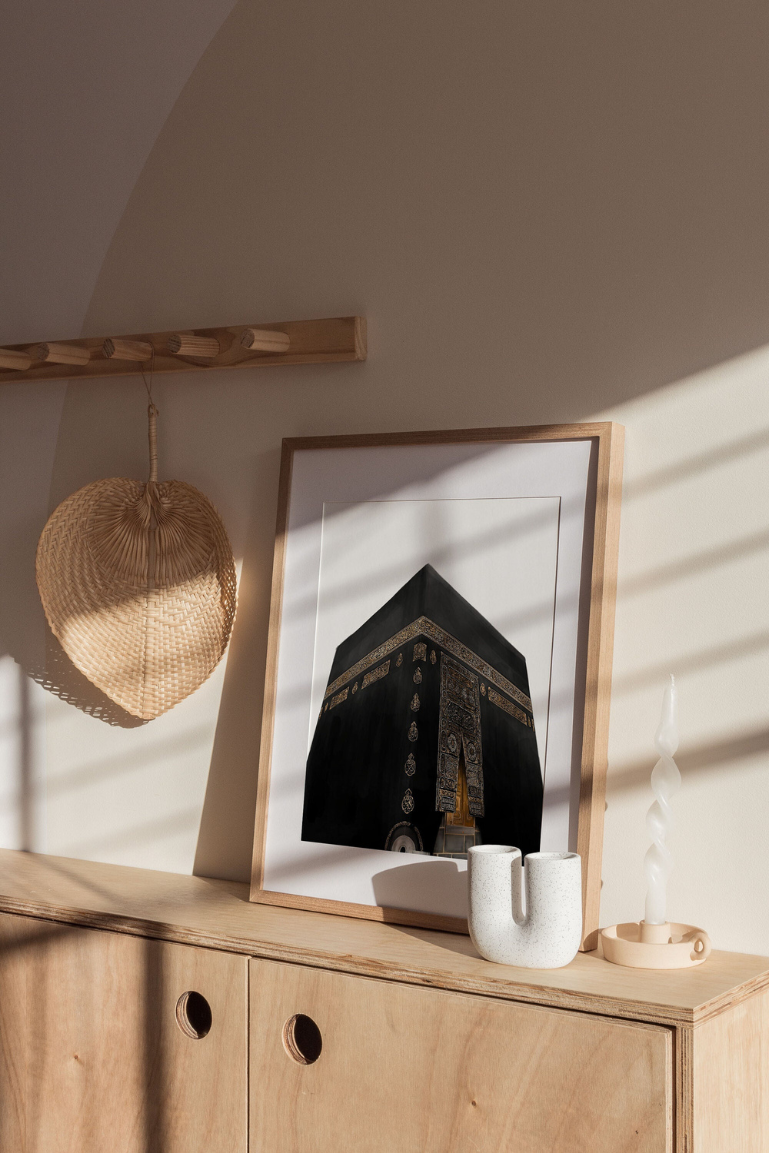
(26, 636)
(61, 677)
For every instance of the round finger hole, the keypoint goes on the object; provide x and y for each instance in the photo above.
(302, 1039)
(193, 1015)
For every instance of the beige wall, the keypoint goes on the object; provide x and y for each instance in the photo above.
(548, 214)
(84, 91)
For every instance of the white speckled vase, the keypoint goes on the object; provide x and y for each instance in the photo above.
(548, 935)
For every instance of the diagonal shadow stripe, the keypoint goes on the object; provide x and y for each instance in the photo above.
(695, 761)
(666, 574)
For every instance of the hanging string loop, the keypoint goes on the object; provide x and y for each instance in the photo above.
(152, 413)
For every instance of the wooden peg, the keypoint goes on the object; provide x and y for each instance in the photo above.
(264, 340)
(184, 344)
(10, 358)
(339, 338)
(60, 353)
(116, 349)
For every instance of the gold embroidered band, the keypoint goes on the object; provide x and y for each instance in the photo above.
(423, 626)
(510, 708)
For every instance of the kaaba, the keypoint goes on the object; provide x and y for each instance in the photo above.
(425, 740)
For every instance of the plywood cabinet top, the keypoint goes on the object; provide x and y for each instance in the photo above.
(217, 914)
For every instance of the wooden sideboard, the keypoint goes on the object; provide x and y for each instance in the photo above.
(414, 1044)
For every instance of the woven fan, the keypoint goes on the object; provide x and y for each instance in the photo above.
(138, 584)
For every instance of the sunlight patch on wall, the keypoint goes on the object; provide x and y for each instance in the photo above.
(694, 567)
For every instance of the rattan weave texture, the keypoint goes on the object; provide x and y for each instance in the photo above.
(138, 583)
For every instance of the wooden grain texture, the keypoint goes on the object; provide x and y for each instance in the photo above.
(262, 340)
(385, 913)
(218, 914)
(684, 1080)
(271, 678)
(731, 1080)
(595, 690)
(340, 338)
(69, 355)
(405, 1069)
(19, 937)
(108, 1070)
(133, 350)
(600, 651)
(14, 360)
(192, 344)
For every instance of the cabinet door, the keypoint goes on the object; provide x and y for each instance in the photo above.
(16, 937)
(113, 1062)
(404, 1069)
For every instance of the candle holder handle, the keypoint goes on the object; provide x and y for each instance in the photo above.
(701, 945)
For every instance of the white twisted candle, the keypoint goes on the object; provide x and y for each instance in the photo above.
(666, 780)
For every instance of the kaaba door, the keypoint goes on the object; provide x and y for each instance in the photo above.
(458, 831)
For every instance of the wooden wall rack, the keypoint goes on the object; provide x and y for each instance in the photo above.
(181, 350)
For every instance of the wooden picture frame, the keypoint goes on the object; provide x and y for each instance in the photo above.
(597, 593)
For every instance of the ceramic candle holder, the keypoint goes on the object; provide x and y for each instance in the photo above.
(548, 934)
(668, 946)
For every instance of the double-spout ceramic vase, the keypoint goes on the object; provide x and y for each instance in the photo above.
(543, 933)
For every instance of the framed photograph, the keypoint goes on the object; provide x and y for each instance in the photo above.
(439, 665)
